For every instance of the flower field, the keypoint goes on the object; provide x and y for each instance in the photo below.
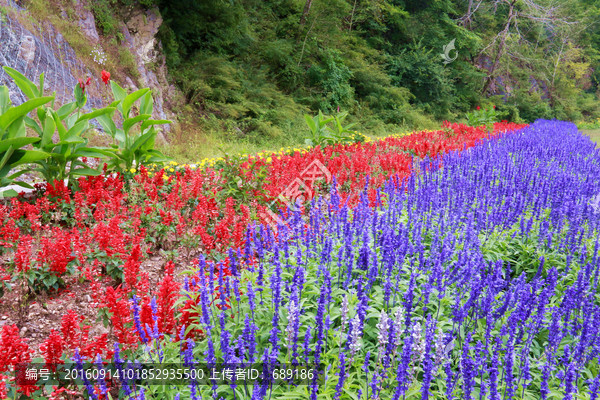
(470, 274)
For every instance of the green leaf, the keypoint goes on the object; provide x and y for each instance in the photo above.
(41, 89)
(96, 113)
(27, 87)
(118, 92)
(80, 97)
(49, 128)
(132, 98)
(4, 99)
(62, 131)
(85, 172)
(31, 123)
(107, 124)
(9, 193)
(311, 124)
(75, 131)
(66, 110)
(31, 156)
(16, 142)
(15, 113)
(129, 122)
(22, 184)
(147, 104)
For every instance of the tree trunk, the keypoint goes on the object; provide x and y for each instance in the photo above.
(306, 11)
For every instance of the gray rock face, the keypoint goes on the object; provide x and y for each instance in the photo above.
(42, 51)
(87, 23)
(45, 50)
(27, 49)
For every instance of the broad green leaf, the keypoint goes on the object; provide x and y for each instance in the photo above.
(5, 157)
(8, 193)
(17, 142)
(31, 156)
(311, 124)
(147, 104)
(107, 124)
(16, 129)
(22, 184)
(80, 96)
(96, 113)
(66, 110)
(94, 152)
(41, 88)
(132, 98)
(86, 171)
(27, 87)
(129, 122)
(118, 92)
(31, 123)
(49, 128)
(15, 113)
(62, 131)
(75, 131)
(4, 99)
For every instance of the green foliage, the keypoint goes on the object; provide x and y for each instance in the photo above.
(132, 147)
(104, 15)
(419, 70)
(13, 138)
(58, 160)
(479, 117)
(62, 159)
(333, 77)
(378, 60)
(325, 130)
(241, 184)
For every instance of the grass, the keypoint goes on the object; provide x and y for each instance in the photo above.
(594, 134)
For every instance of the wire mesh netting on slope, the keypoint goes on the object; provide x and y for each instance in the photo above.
(42, 51)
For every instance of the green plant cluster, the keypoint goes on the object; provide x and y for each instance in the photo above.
(325, 130)
(479, 117)
(58, 148)
(256, 66)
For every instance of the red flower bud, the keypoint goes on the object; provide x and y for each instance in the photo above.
(478, 108)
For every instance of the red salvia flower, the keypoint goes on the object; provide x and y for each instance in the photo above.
(13, 349)
(52, 350)
(131, 269)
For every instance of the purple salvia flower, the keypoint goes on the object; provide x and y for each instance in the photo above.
(86, 382)
(136, 318)
(354, 338)
(594, 388)
(428, 363)
(342, 377)
(383, 327)
(291, 331)
(398, 331)
(101, 381)
(307, 338)
(344, 311)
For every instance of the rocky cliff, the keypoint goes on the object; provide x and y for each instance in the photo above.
(32, 47)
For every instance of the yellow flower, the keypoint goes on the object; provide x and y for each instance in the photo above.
(132, 170)
(171, 170)
(269, 159)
